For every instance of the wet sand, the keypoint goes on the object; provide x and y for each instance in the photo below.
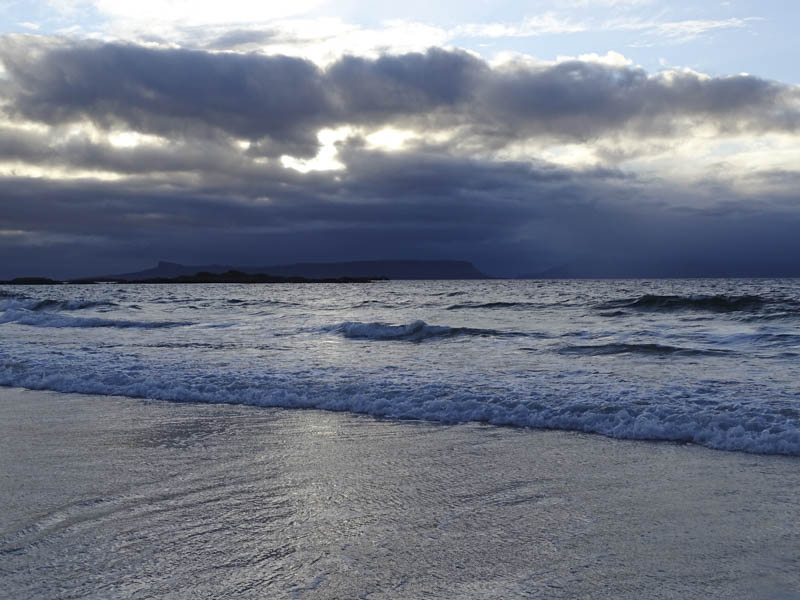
(106, 497)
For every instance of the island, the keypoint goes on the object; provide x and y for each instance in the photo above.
(364, 271)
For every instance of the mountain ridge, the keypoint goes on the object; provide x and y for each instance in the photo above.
(391, 269)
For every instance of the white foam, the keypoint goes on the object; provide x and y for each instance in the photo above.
(55, 305)
(630, 378)
(48, 319)
(416, 331)
(726, 425)
(52, 305)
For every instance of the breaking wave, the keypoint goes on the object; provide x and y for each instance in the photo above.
(52, 305)
(49, 319)
(417, 331)
(716, 422)
(625, 376)
(55, 305)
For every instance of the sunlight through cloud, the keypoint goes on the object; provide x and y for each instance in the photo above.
(326, 158)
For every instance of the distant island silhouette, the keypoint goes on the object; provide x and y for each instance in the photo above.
(238, 277)
(339, 272)
(370, 269)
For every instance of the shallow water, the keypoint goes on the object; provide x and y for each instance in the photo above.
(708, 361)
(107, 497)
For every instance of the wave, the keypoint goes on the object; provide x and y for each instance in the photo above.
(52, 305)
(417, 331)
(254, 303)
(55, 305)
(614, 313)
(714, 303)
(725, 423)
(760, 339)
(514, 305)
(49, 319)
(647, 349)
(373, 304)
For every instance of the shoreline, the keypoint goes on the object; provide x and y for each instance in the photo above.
(120, 497)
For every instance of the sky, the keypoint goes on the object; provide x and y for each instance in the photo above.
(584, 137)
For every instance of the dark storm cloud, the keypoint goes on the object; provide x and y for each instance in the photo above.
(382, 190)
(391, 87)
(284, 101)
(584, 100)
(205, 155)
(173, 93)
(507, 217)
(200, 198)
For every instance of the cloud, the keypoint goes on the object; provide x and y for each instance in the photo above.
(144, 153)
(188, 11)
(608, 3)
(282, 102)
(323, 40)
(547, 23)
(237, 38)
(173, 93)
(509, 217)
(692, 28)
(675, 32)
(551, 22)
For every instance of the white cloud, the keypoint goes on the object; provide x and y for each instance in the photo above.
(325, 40)
(554, 23)
(690, 29)
(23, 169)
(610, 58)
(546, 23)
(296, 29)
(607, 3)
(190, 12)
(704, 155)
(322, 40)
(675, 31)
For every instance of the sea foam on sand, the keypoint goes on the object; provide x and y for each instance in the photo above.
(119, 498)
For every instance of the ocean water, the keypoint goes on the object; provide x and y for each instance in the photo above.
(713, 362)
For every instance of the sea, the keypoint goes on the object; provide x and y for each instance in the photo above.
(712, 362)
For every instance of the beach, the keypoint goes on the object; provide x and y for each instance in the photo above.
(111, 497)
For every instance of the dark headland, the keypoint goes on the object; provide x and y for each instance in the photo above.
(340, 272)
(370, 269)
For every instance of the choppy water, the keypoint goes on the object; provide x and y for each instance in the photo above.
(707, 361)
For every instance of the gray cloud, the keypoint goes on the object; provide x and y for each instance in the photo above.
(241, 37)
(507, 217)
(284, 101)
(583, 100)
(201, 198)
(174, 93)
